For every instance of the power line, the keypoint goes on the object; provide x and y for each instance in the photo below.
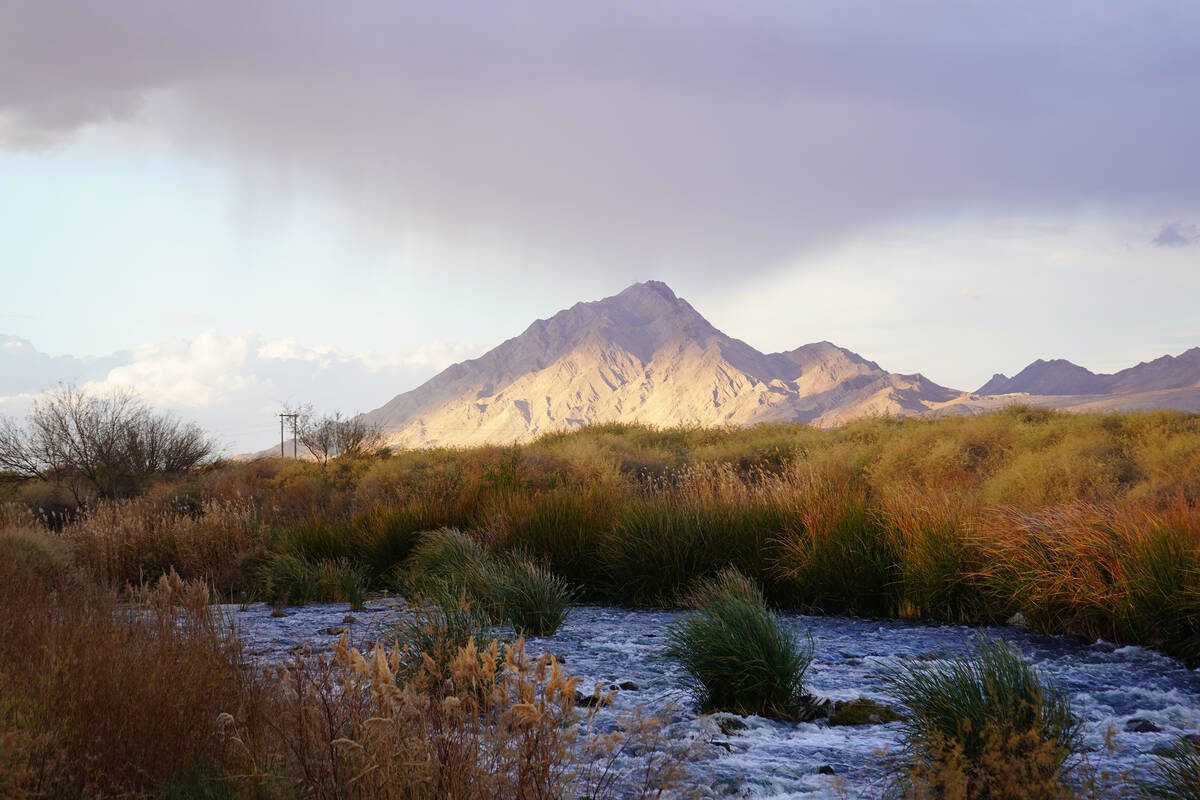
(294, 417)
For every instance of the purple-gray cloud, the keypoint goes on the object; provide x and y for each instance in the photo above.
(707, 133)
(1176, 234)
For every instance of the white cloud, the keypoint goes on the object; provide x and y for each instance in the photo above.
(235, 384)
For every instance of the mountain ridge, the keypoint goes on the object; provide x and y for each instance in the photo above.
(646, 355)
(1063, 378)
(642, 355)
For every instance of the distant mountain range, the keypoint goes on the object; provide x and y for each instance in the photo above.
(646, 355)
(1059, 377)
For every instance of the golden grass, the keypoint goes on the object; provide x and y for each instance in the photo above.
(487, 724)
(135, 541)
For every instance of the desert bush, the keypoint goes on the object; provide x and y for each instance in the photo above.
(736, 655)
(535, 601)
(1174, 774)
(986, 724)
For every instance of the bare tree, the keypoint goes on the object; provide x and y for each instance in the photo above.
(109, 444)
(329, 436)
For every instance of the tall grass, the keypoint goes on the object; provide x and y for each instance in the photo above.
(101, 700)
(154, 698)
(1086, 524)
(938, 558)
(736, 655)
(452, 568)
(1175, 774)
(566, 529)
(692, 527)
(1123, 574)
(139, 540)
(489, 723)
(839, 558)
(535, 601)
(987, 725)
(296, 581)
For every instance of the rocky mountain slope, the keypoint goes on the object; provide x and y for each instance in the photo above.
(643, 355)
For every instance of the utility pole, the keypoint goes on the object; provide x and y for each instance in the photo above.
(295, 418)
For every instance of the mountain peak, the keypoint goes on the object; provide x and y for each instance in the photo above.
(649, 289)
(646, 355)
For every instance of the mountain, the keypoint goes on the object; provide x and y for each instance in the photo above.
(1059, 377)
(643, 355)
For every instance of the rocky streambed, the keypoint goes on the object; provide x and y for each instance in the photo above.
(1132, 700)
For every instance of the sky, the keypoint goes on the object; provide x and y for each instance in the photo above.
(230, 206)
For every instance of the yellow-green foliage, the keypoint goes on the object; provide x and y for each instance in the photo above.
(920, 518)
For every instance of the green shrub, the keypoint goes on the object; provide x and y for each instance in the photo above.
(1175, 774)
(737, 656)
(535, 601)
(989, 718)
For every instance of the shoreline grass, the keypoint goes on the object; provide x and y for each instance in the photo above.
(736, 655)
(986, 725)
(1084, 524)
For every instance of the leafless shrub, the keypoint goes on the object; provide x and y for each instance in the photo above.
(108, 444)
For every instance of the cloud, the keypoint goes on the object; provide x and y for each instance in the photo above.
(231, 384)
(1176, 234)
(634, 134)
(25, 371)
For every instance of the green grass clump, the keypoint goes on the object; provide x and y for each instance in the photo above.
(1175, 774)
(735, 654)
(663, 543)
(296, 581)
(535, 601)
(987, 722)
(839, 559)
(384, 537)
(449, 564)
(437, 628)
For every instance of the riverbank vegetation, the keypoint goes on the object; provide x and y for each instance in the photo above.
(1078, 524)
(1081, 524)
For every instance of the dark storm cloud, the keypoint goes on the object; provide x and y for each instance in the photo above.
(1175, 234)
(714, 134)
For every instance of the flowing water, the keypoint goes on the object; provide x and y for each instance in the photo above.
(1115, 690)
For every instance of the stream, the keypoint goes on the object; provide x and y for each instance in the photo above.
(1132, 700)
